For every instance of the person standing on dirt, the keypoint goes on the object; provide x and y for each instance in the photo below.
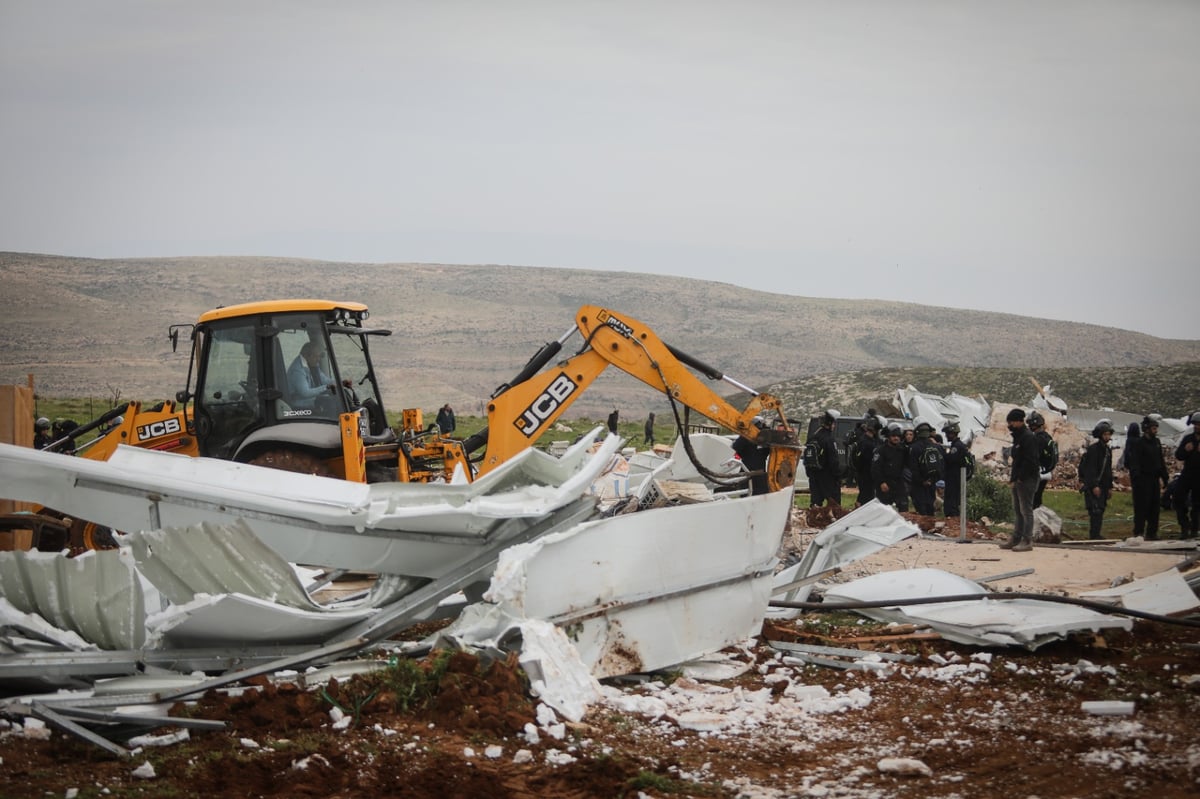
(648, 431)
(958, 459)
(445, 420)
(863, 454)
(612, 421)
(825, 481)
(1095, 475)
(927, 466)
(887, 469)
(1023, 479)
(1047, 454)
(1188, 489)
(1147, 476)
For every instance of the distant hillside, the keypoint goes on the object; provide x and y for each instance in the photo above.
(93, 327)
(1169, 390)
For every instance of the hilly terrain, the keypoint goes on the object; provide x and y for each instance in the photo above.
(93, 327)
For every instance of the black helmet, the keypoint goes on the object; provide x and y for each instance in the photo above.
(1034, 419)
(950, 428)
(872, 423)
(42, 423)
(1102, 426)
(1151, 421)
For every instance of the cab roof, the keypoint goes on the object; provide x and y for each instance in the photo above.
(278, 306)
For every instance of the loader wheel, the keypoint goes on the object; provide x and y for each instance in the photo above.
(291, 460)
(97, 536)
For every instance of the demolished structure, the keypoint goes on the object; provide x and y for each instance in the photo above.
(577, 563)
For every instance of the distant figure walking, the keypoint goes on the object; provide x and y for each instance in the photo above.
(445, 420)
(648, 432)
(612, 422)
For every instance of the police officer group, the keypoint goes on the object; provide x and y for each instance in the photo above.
(894, 470)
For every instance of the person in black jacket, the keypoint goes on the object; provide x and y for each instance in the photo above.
(825, 484)
(1047, 454)
(41, 433)
(958, 458)
(1023, 479)
(1147, 475)
(1188, 489)
(864, 453)
(1095, 475)
(445, 419)
(926, 464)
(887, 469)
(754, 457)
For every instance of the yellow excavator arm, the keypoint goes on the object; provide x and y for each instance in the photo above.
(521, 411)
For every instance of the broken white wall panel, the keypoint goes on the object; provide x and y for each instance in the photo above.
(985, 622)
(398, 528)
(96, 595)
(239, 620)
(860, 533)
(648, 590)
(1165, 594)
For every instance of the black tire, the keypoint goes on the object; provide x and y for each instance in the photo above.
(292, 460)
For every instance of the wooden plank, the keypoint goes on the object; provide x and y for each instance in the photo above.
(16, 427)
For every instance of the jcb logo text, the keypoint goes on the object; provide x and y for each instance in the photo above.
(155, 429)
(545, 405)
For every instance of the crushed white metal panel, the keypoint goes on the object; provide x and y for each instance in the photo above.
(860, 533)
(985, 622)
(237, 619)
(971, 413)
(95, 595)
(29, 632)
(715, 453)
(395, 528)
(647, 590)
(215, 559)
(1165, 594)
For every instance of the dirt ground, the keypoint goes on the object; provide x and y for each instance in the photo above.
(958, 721)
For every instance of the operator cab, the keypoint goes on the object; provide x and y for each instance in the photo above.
(279, 374)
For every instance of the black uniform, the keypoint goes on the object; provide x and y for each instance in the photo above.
(1147, 475)
(1189, 485)
(1047, 460)
(887, 469)
(926, 464)
(862, 466)
(826, 483)
(958, 455)
(754, 457)
(1095, 472)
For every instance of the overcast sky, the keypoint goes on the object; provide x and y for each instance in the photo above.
(1040, 158)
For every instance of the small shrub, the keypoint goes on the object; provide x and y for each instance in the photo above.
(988, 497)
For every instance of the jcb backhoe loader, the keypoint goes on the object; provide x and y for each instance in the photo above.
(290, 384)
